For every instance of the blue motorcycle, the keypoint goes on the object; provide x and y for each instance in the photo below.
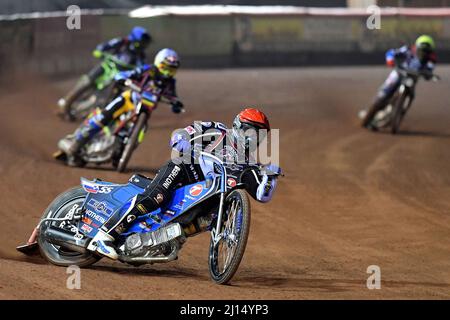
(219, 205)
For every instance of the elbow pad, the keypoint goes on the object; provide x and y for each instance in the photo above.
(266, 188)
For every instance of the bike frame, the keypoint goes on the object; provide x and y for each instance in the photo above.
(407, 86)
(216, 235)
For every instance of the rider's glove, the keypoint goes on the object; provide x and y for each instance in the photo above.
(121, 76)
(266, 188)
(97, 53)
(177, 107)
(271, 169)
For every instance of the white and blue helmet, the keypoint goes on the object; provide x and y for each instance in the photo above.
(167, 62)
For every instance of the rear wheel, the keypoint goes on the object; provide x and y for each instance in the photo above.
(132, 142)
(67, 202)
(226, 255)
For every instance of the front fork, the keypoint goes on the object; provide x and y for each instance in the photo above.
(216, 235)
(409, 97)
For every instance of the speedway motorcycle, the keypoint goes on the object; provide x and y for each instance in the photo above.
(100, 93)
(392, 115)
(218, 205)
(117, 142)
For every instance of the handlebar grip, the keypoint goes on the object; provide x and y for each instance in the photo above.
(132, 86)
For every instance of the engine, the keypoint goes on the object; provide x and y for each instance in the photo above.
(100, 149)
(159, 242)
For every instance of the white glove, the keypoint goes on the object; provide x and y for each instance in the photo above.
(266, 188)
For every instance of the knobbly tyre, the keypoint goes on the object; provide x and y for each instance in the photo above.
(100, 93)
(391, 116)
(218, 205)
(117, 142)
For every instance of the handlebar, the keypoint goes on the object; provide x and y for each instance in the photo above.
(417, 74)
(130, 84)
(405, 72)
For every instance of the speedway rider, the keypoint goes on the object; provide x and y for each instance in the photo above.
(154, 80)
(420, 58)
(250, 127)
(129, 50)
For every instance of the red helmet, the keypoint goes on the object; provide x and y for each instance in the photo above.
(247, 125)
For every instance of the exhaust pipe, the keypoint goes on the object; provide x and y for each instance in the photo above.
(65, 239)
(143, 260)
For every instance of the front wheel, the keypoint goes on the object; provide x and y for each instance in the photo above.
(226, 255)
(398, 113)
(82, 105)
(66, 203)
(132, 142)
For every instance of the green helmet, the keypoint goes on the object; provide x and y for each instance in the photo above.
(424, 46)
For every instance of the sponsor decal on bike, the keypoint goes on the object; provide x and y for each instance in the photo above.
(90, 188)
(180, 205)
(144, 225)
(171, 177)
(120, 228)
(196, 190)
(100, 207)
(87, 220)
(131, 218)
(155, 218)
(95, 188)
(170, 212)
(95, 216)
(231, 182)
(86, 228)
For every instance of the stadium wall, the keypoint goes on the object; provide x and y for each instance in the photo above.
(306, 37)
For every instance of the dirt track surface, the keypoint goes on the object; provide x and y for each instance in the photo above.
(350, 198)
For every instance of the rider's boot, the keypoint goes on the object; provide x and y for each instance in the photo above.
(84, 83)
(72, 144)
(102, 243)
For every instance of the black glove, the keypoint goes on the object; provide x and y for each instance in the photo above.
(177, 107)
